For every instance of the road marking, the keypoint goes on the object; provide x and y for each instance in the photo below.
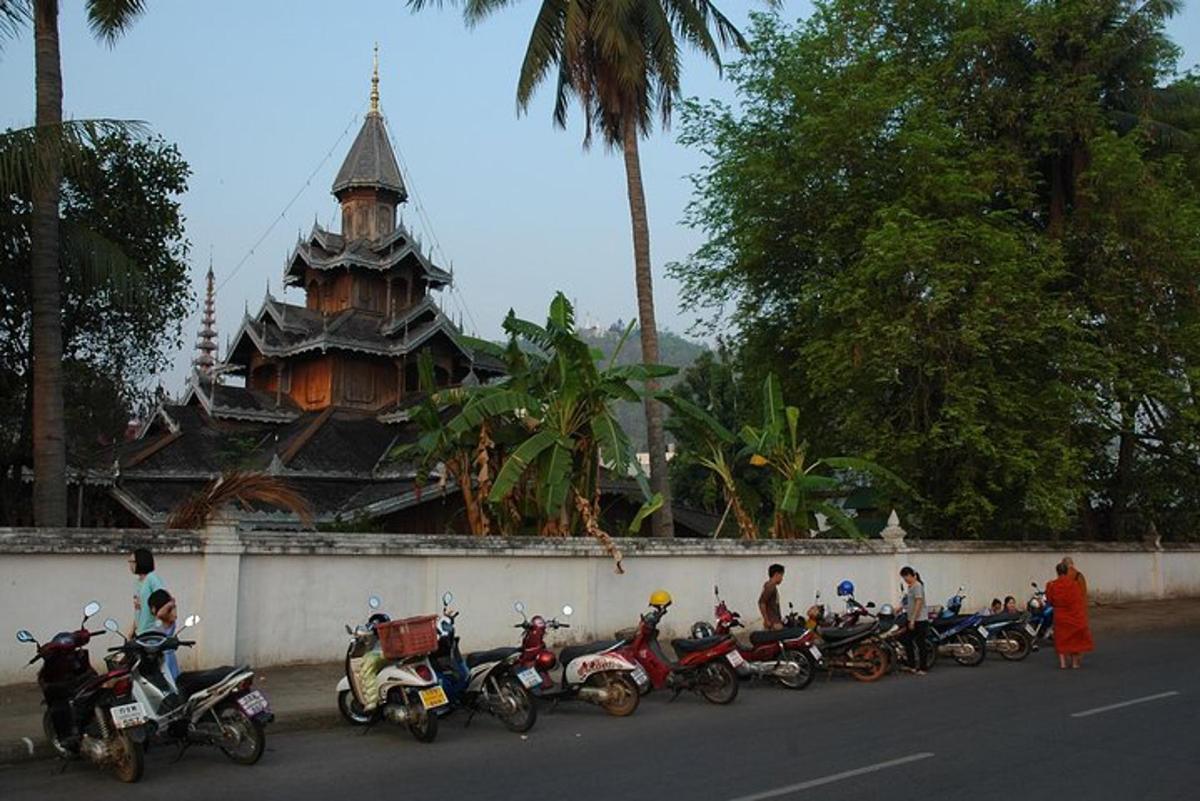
(1123, 704)
(836, 777)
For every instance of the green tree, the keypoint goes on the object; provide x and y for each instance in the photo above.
(108, 19)
(961, 234)
(620, 61)
(119, 205)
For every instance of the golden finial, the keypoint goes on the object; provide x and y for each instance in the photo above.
(375, 83)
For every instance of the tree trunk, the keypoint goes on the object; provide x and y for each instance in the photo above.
(49, 446)
(663, 523)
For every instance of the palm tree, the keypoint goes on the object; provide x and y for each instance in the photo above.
(108, 19)
(620, 60)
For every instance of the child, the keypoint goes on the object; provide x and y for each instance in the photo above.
(162, 606)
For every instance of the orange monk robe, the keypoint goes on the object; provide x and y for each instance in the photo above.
(1071, 632)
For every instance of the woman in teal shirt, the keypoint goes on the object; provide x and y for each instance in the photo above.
(141, 564)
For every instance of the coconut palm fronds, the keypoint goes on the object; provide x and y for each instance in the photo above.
(248, 490)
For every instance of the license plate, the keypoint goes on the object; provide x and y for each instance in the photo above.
(735, 659)
(254, 703)
(815, 651)
(128, 715)
(639, 675)
(433, 697)
(1030, 629)
(983, 632)
(530, 678)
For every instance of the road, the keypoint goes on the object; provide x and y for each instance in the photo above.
(1000, 731)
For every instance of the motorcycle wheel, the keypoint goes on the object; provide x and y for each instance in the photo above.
(623, 695)
(876, 659)
(1024, 644)
(519, 713)
(807, 672)
(424, 724)
(932, 651)
(61, 750)
(352, 710)
(129, 760)
(718, 683)
(249, 735)
(979, 652)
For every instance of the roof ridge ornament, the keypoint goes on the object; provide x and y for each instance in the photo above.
(375, 82)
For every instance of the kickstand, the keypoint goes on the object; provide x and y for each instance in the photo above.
(554, 705)
(675, 694)
(183, 746)
(470, 717)
(63, 768)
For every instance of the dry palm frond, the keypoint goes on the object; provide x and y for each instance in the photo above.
(592, 525)
(245, 488)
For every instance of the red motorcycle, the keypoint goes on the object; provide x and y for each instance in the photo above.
(788, 656)
(88, 714)
(706, 665)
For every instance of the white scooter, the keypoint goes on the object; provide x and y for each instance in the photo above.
(207, 707)
(401, 691)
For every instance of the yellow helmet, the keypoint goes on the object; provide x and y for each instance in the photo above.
(660, 598)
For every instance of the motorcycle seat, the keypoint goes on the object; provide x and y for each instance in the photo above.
(943, 623)
(763, 637)
(477, 658)
(835, 634)
(572, 652)
(702, 644)
(193, 681)
(1003, 617)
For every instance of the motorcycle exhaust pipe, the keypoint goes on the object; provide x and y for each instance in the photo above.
(595, 695)
(395, 713)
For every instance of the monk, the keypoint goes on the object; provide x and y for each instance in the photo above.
(1072, 637)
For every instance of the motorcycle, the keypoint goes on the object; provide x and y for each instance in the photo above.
(594, 672)
(854, 649)
(204, 707)
(1040, 625)
(389, 676)
(1006, 635)
(706, 666)
(87, 714)
(788, 656)
(484, 681)
(959, 636)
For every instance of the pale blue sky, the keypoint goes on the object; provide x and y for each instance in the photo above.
(257, 93)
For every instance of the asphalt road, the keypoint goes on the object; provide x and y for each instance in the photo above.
(1000, 731)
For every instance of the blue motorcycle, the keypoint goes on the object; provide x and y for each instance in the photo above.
(1040, 625)
(1006, 635)
(485, 681)
(962, 637)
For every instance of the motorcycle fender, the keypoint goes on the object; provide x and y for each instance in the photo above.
(343, 685)
(479, 674)
(402, 676)
(581, 668)
(205, 700)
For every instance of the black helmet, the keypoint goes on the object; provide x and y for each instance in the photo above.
(701, 630)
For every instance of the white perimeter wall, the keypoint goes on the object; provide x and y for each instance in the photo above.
(275, 598)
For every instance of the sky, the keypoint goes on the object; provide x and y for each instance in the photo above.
(265, 97)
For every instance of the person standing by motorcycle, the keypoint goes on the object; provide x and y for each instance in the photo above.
(1072, 636)
(141, 564)
(916, 641)
(768, 599)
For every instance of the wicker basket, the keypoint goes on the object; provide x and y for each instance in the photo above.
(413, 636)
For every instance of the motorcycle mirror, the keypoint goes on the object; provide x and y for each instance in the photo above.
(1033, 584)
(190, 621)
(519, 608)
(112, 625)
(716, 591)
(374, 602)
(447, 597)
(92, 608)
(568, 611)
(870, 604)
(25, 636)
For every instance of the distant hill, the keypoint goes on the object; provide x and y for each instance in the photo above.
(674, 350)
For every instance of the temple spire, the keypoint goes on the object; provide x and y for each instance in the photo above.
(375, 82)
(206, 339)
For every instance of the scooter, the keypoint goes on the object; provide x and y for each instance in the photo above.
(595, 672)
(707, 666)
(482, 682)
(87, 714)
(389, 676)
(204, 707)
(1040, 625)
(787, 656)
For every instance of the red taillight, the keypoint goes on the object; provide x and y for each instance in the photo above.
(122, 686)
(245, 685)
(546, 660)
(424, 672)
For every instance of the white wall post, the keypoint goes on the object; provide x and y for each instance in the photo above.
(216, 636)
